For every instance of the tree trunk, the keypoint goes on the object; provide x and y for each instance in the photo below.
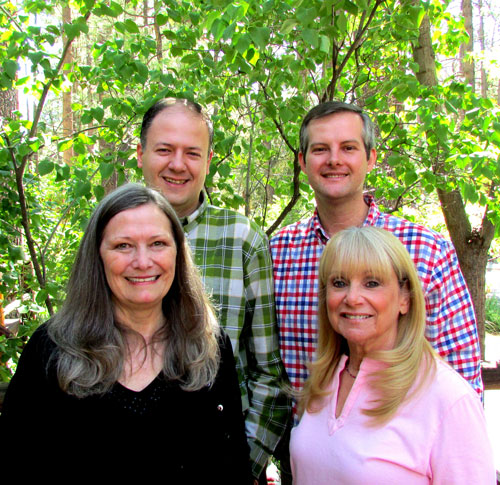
(466, 50)
(472, 245)
(9, 102)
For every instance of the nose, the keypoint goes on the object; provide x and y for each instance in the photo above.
(333, 159)
(176, 161)
(352, 295)
(142, 258)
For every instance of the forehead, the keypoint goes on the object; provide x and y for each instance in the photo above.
(139, 217)
(177, 119)
(339, 126)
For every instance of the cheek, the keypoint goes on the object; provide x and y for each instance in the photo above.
(333, 301)
(113, 266)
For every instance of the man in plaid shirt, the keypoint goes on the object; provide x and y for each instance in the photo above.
(336, 152)
(233, 256)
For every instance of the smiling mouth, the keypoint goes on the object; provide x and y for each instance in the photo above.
(175, 181)
(142, 280)
(351, 316)
(335, 176)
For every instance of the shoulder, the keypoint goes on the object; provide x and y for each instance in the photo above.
(415, 236)
(448, 388)
(293, 232)
(233, 223)
(40, 342)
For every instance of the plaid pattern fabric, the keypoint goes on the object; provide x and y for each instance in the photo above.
(451, 324)
(233, 256)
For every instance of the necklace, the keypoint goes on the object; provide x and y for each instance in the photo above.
(348, 371)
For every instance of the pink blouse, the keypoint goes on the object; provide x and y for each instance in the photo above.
(439, 436)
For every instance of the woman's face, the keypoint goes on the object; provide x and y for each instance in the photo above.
(365, 309)
(138, 252)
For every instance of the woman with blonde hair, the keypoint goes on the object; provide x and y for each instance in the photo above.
(380, 406)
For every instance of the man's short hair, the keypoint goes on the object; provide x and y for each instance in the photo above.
(166, 103)
(332, 107)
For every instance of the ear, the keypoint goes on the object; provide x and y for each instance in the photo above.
(404, 299)
(372, 160)
(302, 162)
(209, 159)
(139, 155)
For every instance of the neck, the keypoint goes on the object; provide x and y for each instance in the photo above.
(355, 359)
(146, 322)
(339, 215)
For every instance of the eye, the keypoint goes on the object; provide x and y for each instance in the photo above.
(372, 284)
(122, 246)
(349, 148)
(161, 243)
(338, 283)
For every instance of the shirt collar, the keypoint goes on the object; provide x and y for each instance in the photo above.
(373, 210)
(190, 220)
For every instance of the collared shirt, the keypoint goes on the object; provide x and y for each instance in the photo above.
(233, 256)
(451, 324)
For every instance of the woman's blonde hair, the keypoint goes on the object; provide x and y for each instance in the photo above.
(379, 252)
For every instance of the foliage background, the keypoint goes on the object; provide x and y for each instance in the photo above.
(77, 76)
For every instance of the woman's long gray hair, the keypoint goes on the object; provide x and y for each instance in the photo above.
(92, 345)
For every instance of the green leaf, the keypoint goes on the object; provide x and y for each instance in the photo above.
(161, 19)
(10, 68)
(45, 167)
(243, 43)
(410, 177)
(224, 169)
(65, 145)
(106, 170)
(16, 253)
(470, 193)
(82, 188)
(97, 113)
(325, 44)
(260, 36)
(289, 25)
(99, 192)
(71, 30)
(311, 37)
(41, 296)
(131, 26)
(350, 7)
(306, 15)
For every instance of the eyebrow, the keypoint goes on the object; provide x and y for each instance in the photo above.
(164, 143)
(343, 142)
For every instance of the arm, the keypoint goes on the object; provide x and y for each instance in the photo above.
(462, 453)
(451, 323)
(236, 455)
(29, 384)
(269, 405)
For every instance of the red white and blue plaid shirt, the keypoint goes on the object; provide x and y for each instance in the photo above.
(451, 324)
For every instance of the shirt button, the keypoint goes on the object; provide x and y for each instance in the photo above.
(220, 407)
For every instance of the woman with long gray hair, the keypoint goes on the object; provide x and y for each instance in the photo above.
(135, 358)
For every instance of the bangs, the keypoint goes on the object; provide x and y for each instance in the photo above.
(353, 253)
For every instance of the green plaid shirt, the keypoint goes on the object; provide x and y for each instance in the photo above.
(233, 256)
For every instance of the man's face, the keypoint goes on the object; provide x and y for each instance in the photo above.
(336, 163)
(176, 157)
